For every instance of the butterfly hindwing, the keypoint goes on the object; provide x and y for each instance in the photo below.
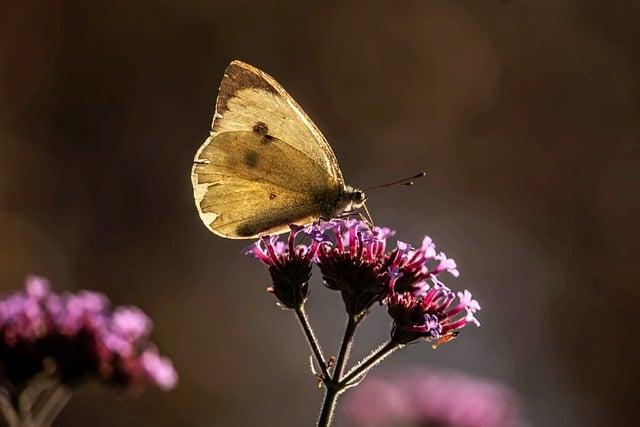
(246, 185)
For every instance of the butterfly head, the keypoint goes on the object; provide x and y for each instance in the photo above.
(353, 198)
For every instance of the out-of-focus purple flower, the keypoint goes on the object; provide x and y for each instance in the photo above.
(378, 403)
(422, 397)
(289, 264)
(159, 368)
(131, 323)
(80, 334)
(430, 314)
(352, 260)
(37, 287)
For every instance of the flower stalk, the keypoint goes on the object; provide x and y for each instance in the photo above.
(335, 388)
(369, 362)
(328, 406)
(353, 260)
(313, 341)
(345, 348)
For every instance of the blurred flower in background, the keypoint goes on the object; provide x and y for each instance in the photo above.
(51, 343)
(421, 397)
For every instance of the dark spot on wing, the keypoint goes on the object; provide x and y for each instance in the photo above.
(247, 230)
(272, 196)
(251, 159)
(261, 128)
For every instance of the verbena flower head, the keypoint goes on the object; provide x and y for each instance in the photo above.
(415, 268)
(352, 260)
(77, 336)
(429, 312)
(424, 397)
(289, 264)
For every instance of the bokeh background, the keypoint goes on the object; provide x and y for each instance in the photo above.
(524, 113)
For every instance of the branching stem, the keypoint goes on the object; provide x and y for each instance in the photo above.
(333, 387)
(372, 360)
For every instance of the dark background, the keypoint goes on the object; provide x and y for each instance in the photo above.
(524, 113)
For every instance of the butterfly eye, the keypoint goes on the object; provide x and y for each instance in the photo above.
(358, 197)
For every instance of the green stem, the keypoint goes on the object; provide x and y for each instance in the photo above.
(313, 341)
(368, 363)
(328, 406)
(8, 411)
(333, 387)
(345, 348)
(53, 405)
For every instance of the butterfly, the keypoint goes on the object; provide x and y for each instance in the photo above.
(265, 164)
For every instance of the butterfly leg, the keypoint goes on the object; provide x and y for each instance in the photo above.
(369, 218)
(356, 213)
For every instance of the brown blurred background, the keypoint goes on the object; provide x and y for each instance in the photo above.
(524, 113)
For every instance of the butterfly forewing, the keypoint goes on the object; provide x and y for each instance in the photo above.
(249, 96)
(265, 164)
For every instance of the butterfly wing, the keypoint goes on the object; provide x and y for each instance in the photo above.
(246, 186)
(249, 96)
(265, 164)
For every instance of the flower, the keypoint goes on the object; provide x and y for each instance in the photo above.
(429, 313)
(289, 265)
(77, 336)
(414, 267)
(352, 260)
(159, 368)
(420, 396)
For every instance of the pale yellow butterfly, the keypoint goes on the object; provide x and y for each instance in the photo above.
(265, 164)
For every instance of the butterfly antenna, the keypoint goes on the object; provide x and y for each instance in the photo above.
(404, 181)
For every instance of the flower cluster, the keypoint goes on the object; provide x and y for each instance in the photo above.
(429, 313)
(354, 260)
(76, 336)
(289, 265)
(423, 397)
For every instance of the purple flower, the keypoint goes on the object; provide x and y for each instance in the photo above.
(418, 266)
(131, 323)
(159, 368)
(37, 287)
(424, 397)
(430, 314)
(80, 334)
(352, 260)
(289, 265)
